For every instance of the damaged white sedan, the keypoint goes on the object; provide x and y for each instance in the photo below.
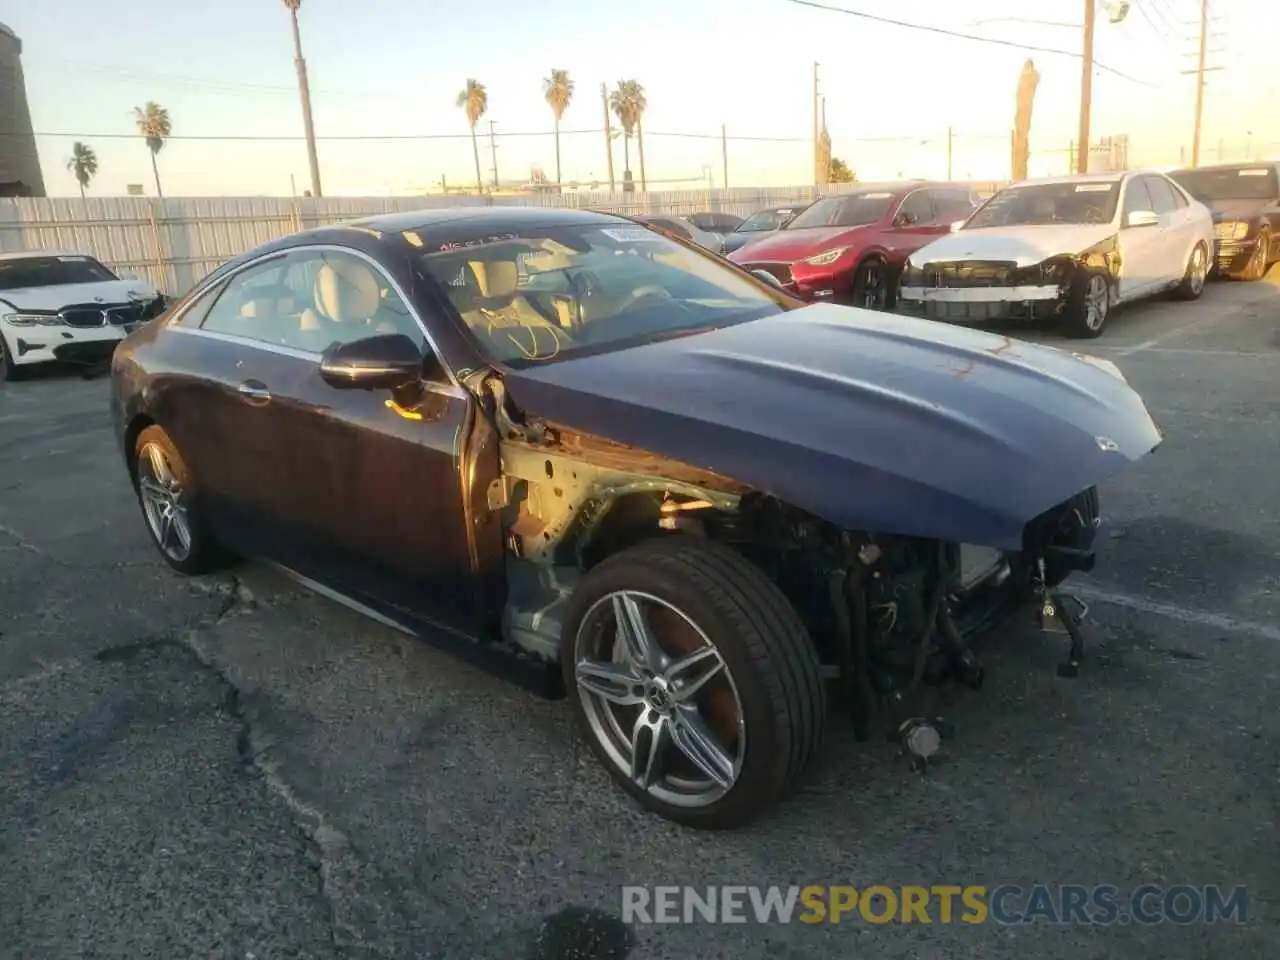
(1065, 251)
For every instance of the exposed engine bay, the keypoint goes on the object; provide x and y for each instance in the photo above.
(887, 614)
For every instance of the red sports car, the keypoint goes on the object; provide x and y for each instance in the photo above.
(850, 247)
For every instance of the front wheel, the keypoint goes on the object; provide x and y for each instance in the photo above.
(873, 286)
(693, 680)
(1088, 304)
(1192, 284)
(9, 369)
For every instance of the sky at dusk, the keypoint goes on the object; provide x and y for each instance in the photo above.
(389, 69)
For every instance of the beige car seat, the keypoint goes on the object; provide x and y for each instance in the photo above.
(495, 310)
(347, 297)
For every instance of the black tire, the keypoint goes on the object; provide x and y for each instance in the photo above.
(204, 554)
(872, 287)
(1077, 529)
(1260, 262)
(9, 370)
(1081, 315)
(1195, 276)
(770, 660)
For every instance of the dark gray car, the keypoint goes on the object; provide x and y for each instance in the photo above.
(761, 223)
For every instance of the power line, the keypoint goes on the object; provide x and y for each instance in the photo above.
(1026, 47)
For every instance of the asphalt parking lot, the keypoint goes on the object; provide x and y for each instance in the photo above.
(234, 767)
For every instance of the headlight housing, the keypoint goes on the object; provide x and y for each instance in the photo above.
(33, 319)
(1231, 230)
(825, 257)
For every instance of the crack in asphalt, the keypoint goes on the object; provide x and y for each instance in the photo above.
(328, 842)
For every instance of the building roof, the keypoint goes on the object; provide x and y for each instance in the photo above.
(7, 32)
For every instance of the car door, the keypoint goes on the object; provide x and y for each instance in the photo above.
(1142, 244)
(912, 225)
(367, 496)
(211, 411)
(1176, 240)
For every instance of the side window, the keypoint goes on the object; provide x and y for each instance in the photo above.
(1161, 195)
(952, 203)
(918, 207)
(310, 300)
(195, 313)
(1179, 201)
(1136, 197)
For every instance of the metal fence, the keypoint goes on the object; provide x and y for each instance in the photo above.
(173, 243)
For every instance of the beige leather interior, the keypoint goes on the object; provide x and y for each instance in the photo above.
(499, 312)
(495, 278)
(346, 289)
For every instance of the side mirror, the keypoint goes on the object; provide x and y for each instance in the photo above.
(1142, 218)
(382, 362)
(904, 220)
(956, 226)
(767, 277)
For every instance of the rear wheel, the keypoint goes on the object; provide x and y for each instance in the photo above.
(1193, 279)
(1088, 304)
(693, 680)
(167, 493)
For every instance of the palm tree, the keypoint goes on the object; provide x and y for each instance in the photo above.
(475, 100)
(558, 89)
(83, 164)
(153, 123)
(628, 102)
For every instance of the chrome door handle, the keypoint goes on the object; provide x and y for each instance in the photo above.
(254, 392)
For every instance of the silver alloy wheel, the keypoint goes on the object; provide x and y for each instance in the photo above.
(660, 717)
(1198, 269)
(1097, 301)
(163, 502)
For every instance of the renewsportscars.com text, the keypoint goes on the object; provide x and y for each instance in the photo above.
(1067, 904)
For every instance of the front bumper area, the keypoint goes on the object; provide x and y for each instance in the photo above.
(46, 344)
(979, 304)
(810, 283)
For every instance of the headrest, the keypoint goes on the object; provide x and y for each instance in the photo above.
(265, 306)
(495, 278)
(347, 289)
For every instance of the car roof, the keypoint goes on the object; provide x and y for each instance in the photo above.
(1240, 165)
(440, 222)
(1112, 177)
(32, 254)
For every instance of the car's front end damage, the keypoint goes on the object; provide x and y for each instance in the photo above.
(895, 560)
(944, 282)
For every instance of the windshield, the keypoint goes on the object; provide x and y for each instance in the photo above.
(765, 220)
(51, 272)
(854, 210)
(1049, 203)
(565, 291)
(1237, 183)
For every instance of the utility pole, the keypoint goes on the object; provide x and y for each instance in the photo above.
(1204, 39)
(493, 152)
(724, 153)
(1086, 89)
(816, 147)
(608, 135)
(305, 90)
(950, 138)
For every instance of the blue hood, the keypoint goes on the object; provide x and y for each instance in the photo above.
(872, 421)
